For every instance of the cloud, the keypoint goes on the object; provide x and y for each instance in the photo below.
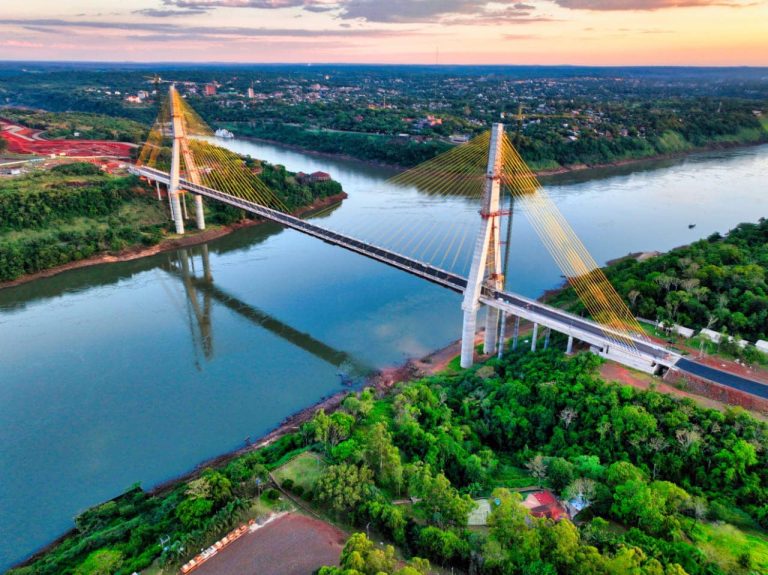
(160, 13)
(641, 4)
(387, 11)
(442, 11)
(55, 25)
(262, 4)
(20, 44)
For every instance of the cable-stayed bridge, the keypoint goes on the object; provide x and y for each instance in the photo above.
(489, 166)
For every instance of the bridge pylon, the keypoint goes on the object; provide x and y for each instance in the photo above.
(181, 148)
(486, 269)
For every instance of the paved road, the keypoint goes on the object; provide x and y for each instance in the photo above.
(723, 378)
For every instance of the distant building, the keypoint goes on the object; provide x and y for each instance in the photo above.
(251, 93)
(312, 178)
(320, 177)
(209, 90)
(685, 332)
(133, 99)
(762, 345)
(711, 335)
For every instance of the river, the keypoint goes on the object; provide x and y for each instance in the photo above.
(124, 373)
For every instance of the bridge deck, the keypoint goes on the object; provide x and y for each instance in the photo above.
(533, 310)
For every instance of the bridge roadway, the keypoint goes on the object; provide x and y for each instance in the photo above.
(646, 353)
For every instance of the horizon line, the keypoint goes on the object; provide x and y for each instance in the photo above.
(411, 64)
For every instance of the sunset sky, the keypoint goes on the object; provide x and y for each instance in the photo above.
(600, 32)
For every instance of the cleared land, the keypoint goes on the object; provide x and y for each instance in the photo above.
(303, 470)
(292, 545)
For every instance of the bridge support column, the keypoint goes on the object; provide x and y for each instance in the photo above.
(491, 341)
(199, 212)
(569, 347)
(516, 333)
(502, 333)
(468, 338)
(535, 336)
(546, 338)
(486, 261)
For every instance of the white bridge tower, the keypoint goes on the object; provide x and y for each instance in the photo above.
(181, 146)
(486, 267)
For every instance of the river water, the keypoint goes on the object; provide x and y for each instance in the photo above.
(137, 371)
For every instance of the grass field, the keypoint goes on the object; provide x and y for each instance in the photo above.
(507, 475)
(736, 551)
(304, 470)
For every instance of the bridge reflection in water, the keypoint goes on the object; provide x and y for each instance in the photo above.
(192, 267)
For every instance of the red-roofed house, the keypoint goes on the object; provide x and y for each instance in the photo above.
(544, 504)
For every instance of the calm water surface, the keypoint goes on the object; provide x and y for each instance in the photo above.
(135, 372)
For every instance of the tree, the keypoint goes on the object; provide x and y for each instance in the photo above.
(192, 511)
(361, 556)
(567, 415)
(441, 545)
(330, 430)
(344, 487)
(582, 488)
(512, 538)
(538, 468)
(621, 472)
(101, 562)
(383, 457)
(442, 503)
(560, 472)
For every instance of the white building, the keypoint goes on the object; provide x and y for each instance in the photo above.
(711, 335)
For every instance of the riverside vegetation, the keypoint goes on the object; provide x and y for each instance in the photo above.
(672, 488)
(75, 211)
(718, 283)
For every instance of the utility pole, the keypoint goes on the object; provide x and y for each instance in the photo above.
(486, 261)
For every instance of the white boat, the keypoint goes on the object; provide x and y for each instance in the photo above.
(222, 133)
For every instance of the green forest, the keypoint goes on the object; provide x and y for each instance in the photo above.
(76, 211)
(718, 282)
(385, 149)
(71, 213)
(671, 488)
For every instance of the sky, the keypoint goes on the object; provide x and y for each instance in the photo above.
(582, 32)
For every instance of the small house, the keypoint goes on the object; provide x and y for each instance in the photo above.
(544, 504)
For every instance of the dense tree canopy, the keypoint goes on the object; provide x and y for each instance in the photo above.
(719, 282)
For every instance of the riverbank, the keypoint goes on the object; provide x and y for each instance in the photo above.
(585, 169)
(174, 242)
